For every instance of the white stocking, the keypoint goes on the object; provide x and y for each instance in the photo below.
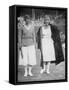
(26, 72)
(48, 67)
(30, 73)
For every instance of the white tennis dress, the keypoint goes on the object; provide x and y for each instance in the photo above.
(47, 45)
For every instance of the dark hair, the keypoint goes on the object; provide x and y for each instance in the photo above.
(26, 17)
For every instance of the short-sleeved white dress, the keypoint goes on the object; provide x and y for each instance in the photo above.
(47, 45)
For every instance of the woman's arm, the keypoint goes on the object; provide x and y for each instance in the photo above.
(34, 33)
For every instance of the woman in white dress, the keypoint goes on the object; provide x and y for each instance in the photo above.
(47, 45)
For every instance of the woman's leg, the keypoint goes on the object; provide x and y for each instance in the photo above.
(26, 71)
(44, 68)
(48, 67)
(30, 70)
